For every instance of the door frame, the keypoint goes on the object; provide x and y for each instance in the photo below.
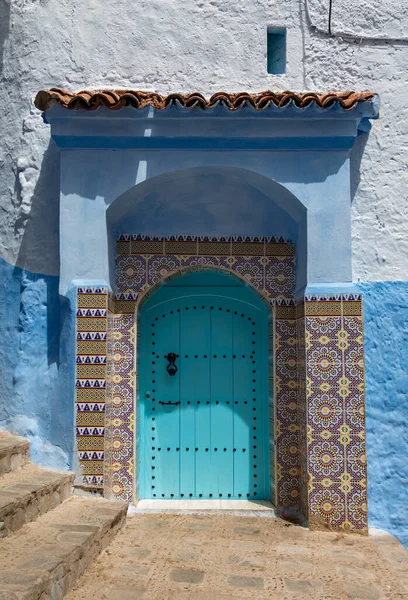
(271, 386)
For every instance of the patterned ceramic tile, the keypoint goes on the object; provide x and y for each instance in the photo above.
(268, 264)
(205, 245)
(335, 412)
(160, 267)
(357, 507)
(287, 436)
(90, 383)
(120, 407)
(187, 261)
(316, 372)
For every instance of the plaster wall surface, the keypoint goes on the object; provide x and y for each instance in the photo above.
(35, 399)
(219, 46)
(386, 345)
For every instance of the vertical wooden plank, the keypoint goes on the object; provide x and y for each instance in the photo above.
(200, 392)
(245, 381)
(163, 420)
(266, 412)
(260, 447)
(222, 408)
(145, 433)
(192, 328)
(272, 406)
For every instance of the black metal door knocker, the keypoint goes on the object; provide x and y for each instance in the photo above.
(171, 367)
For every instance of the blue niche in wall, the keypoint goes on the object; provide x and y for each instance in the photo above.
(276, 50)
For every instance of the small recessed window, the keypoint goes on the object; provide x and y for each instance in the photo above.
(276, 50)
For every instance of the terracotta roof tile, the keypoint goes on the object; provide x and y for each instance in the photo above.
(116, 99)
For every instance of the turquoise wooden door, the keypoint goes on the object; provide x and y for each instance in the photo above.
(204, 428)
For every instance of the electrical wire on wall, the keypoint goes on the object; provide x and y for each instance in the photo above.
(330, 17)
(348, 36)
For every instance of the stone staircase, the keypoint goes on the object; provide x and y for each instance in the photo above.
(47, 536)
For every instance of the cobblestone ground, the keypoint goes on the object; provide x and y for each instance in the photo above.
(226, 557)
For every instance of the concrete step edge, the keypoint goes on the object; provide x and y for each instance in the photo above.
(14, 452)
(19, 508)
(46, 558)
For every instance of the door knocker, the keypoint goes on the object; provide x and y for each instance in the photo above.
(171, 367)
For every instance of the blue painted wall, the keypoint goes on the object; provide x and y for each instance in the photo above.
(386, 358)
(35, 394)
(96, 186)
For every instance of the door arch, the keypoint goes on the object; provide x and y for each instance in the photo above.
(204, 430)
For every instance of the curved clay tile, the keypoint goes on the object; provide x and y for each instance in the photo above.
(117, 99)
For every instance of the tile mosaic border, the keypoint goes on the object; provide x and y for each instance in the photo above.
(335, 415)
(90, 384)
(120, 410)
(248, 259)
(316, 361)
(203, 238)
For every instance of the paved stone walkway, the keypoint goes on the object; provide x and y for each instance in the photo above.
(225, 557)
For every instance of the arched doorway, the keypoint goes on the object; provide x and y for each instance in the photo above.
(203, 393)
(204, 202)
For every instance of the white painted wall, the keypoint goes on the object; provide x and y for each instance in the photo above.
(174, 45)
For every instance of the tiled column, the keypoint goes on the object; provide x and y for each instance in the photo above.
(335, 420)
(301, 408)
(90, 384)
(120, 413)
(108, 452)
(286, 426)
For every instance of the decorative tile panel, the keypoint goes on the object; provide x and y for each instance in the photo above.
(301, 409)
(336, 460)
(120, 415)
(286, 422)
(107, 478)
(267, 264)
(316, 374)
(90, 383)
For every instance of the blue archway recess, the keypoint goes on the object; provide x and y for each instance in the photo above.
(220, 200)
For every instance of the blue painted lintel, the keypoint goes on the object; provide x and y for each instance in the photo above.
(201, 143)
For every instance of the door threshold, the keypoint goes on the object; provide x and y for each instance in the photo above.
(203, 505)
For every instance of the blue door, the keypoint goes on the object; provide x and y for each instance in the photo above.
(204, 391)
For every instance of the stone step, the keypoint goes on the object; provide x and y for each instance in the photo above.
(30, 492)
(46, 557)
(14, 452)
